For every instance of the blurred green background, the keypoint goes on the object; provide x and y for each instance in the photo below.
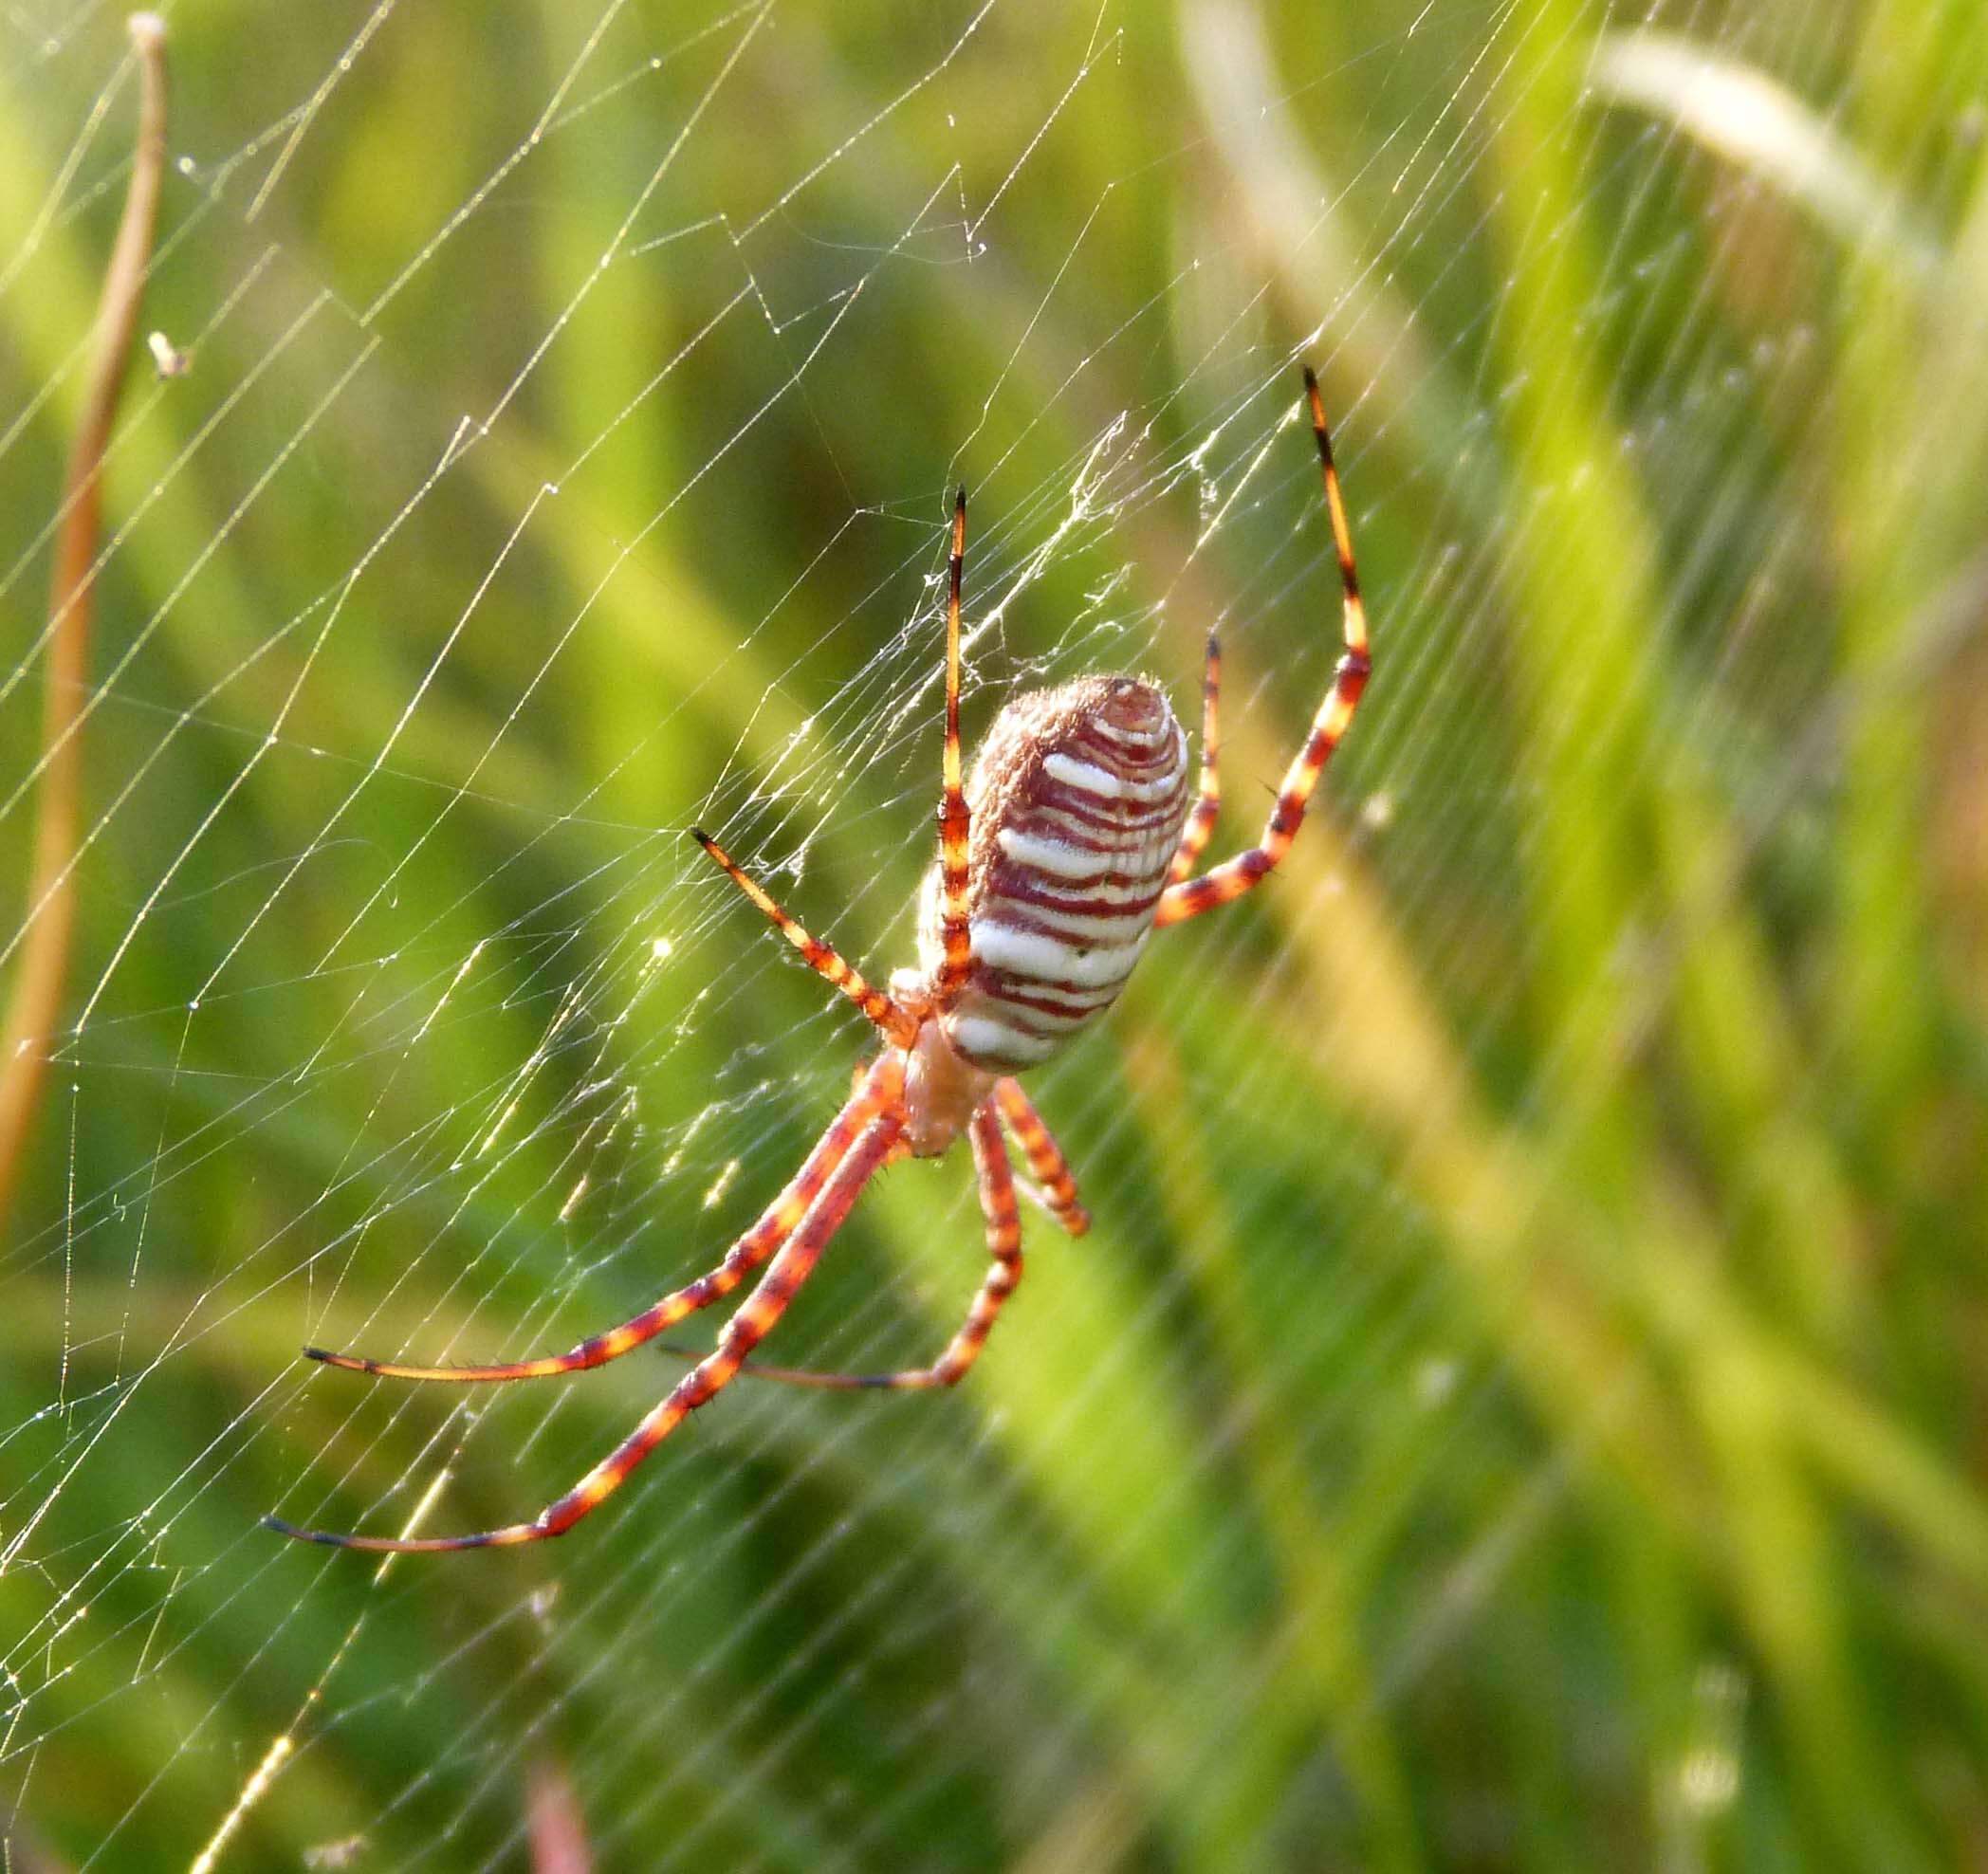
(1522, 1403)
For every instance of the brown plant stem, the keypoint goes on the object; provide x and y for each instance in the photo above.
(36, 1004)
(556, 1828)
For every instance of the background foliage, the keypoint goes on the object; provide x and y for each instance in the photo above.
(1522, 1403)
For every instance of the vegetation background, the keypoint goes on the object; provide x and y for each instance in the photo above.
(1523, 1403)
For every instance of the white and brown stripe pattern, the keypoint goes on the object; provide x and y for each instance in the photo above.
(1078, 800)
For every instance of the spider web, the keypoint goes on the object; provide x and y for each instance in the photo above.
(1466, 1391)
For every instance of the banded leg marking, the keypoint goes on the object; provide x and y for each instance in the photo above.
(761, 1310)
(776, 1224)
(1003, 1224)
(1046, 1164)
(1201, 823)
(821, 958)
(1190, 897)
(953, 817)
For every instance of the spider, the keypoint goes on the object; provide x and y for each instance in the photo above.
(1073, 842)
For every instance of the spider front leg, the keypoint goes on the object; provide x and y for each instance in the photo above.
(1004, 1226)
(955, 823)
(767, 1302)
(823, 959)
(1186, 898)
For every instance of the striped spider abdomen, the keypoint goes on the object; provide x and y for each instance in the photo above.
(1077, 798)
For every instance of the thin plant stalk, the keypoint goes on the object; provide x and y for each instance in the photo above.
(36, 1004)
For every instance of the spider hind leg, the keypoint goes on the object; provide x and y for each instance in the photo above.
(1047, 1165)
(1003, 1233)
(790, 1267)
(775, 1225)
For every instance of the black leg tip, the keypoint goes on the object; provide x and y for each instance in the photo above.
(1310, 378)
(317, 1352)
(702, 837)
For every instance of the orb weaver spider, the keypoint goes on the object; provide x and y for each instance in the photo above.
(1071, 841)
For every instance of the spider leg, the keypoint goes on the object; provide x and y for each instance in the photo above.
(898, 1023)
(1201, 823)
(776, 1224)
(997, 1199)
(1046, 1164)
(1190, 897)
(954, 822)
(790, 1267)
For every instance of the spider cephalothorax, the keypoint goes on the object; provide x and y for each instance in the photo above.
(1070, 845)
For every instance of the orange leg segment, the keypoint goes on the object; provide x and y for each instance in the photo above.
(1046, 1164)
(767, 1302)
(1189, 897)
(1003, 1221)
(898, 1023)
(1201, 823)
(954, 822)
(776, 1224)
